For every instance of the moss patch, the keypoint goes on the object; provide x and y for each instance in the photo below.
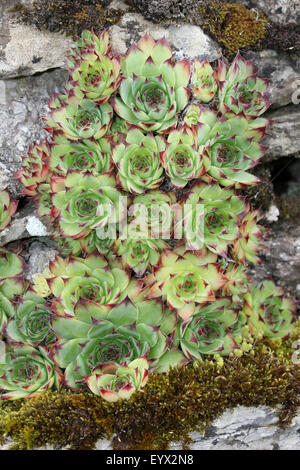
(234, 26)
(71, 16)
(169, 407)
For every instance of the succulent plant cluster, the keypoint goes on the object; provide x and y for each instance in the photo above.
(141, 177)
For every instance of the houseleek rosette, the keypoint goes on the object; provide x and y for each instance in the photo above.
(230, 147)
(98, 335)
(269, 313)
(79, 119)
(35, 168)
(7, 209)
(152, 214)
(74, 279)
(210, 217)
(181, 160)
(85, 202)
(204, 82)
(26, 372)
(140, 254)
(89, 43)
(96, 77)
(233, 152)
(185, 279)
(85, 155)
(138, 161)
(31, 323)
(240, 90)
(153, 90)
(208, 331)
(113, 382)
(250, 242)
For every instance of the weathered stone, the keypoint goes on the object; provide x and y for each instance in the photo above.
(23, 225)
(284, 133)
(25, 50)
(39, 255)
(281, 258)
(119, 5)
(186, 40)
(279, 11)
(158, 10)
(24, 103)
(247, 429)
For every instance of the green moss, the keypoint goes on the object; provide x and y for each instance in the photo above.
(71, 16)
(234, 26)
(168, 408)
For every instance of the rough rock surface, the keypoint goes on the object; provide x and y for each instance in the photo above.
(39, 254)
(25, 224)
(281, 259)
(187, 40)
(247, 429)
(242, 429)
(24, 50)
(22, 103)
(279, 11)
(284, 132)
(156, 10)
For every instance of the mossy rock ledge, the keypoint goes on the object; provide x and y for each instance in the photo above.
(248, 402)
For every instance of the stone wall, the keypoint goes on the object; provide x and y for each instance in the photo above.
(31, 69)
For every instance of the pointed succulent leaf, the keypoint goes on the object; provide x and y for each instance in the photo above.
(204, 82)
(7, 209)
